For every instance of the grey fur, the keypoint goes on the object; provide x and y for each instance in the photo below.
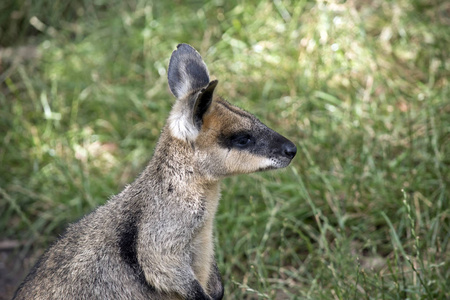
(187, 71)
(154, 239)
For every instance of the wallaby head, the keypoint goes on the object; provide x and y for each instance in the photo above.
(227, 140)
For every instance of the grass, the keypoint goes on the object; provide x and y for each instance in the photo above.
(361, 88)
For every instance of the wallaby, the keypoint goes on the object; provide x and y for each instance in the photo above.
(154, 240)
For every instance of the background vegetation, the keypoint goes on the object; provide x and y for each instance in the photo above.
(361, 87)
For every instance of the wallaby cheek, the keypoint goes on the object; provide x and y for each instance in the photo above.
(210, 162)
(243, 162)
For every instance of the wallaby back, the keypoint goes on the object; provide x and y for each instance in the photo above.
(154, 240)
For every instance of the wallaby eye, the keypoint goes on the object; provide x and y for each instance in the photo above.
(241, 140)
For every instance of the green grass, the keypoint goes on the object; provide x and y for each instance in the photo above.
(363, 91)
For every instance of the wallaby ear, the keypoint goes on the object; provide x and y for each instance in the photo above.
(189, 80)
(202, 103)
(187, 71)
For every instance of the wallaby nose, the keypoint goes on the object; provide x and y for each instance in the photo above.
(289, 150)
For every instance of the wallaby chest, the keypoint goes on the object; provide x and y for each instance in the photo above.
(203, 242)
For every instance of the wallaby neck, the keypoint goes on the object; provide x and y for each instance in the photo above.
(172, 169)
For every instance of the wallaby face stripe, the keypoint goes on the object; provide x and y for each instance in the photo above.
(154, 240)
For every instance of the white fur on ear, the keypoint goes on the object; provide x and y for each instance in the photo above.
(183, 86)
(180, 123)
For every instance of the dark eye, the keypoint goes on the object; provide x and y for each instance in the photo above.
(241, 141)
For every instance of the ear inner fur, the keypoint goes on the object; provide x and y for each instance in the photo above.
(202, 103)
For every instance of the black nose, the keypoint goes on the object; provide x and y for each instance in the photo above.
(289, 150)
